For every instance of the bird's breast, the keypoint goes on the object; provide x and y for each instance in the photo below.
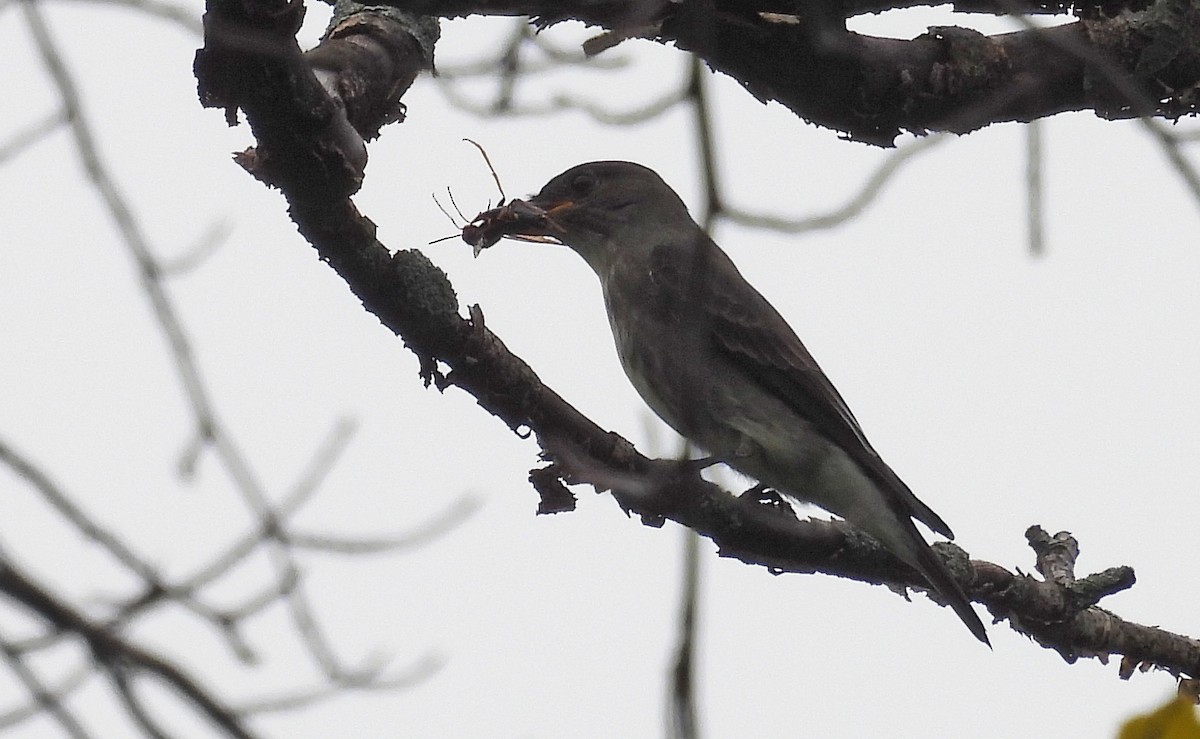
(652, 353)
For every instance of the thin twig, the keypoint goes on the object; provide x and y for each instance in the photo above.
(564, 103)
(1034, 194)
(684, 722)
(109, 648)
(122, 681)
(30, 135)
(861, 199)
(213, 238)
(416, 674)
(209, 429)
(58, 499)
(44, 698)
(320, 466)
(1172, 148)
(706, 147)
(454, 515)
(181, 15)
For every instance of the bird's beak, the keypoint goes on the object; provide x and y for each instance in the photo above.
(558, 208)
(519, 219)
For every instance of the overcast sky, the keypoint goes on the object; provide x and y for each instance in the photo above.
(1006, 390)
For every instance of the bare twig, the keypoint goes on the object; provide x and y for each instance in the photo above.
(234, 462)
(682, 718)
(509, 68)
(124, 662)
(684, 723)
(853, 207)
(1034, 195)
(706, 146)
(563, 102)
(30, 135)
(213, 238)
(122, 681)
(59, 500)
(109, 648)
(65, 687)
(555, 58)
(181, 15)
(1171, 146)
(44, 698)
(320, 465)
(414, 675)
(455, 514)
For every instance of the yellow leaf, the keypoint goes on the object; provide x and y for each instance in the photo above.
(1175, 720)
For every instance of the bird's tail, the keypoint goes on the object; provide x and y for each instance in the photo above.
(925, 560)
(890, 520)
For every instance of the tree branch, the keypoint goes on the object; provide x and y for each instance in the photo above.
(415, 300)
(111, 650)
(949, 79)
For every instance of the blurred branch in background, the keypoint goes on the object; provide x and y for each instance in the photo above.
(106, 632)
(512, 67)
(1034, 191)
(30, 135)
(179, 15)
(683, 714)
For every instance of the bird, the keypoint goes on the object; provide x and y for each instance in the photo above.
(716, 361)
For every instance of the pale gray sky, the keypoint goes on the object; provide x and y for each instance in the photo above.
(1006, 390)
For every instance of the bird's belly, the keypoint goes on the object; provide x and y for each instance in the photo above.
(646, 366)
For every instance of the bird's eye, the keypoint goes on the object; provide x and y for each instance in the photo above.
(582, 184)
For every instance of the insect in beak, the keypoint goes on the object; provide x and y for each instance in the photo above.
(516, 220)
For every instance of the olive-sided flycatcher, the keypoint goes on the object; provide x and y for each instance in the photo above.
(717, 362)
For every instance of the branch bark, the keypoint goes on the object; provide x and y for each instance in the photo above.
(1120, 60)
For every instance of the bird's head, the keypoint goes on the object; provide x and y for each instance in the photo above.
(596, 209)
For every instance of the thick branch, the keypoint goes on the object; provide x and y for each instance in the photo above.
(948, 79)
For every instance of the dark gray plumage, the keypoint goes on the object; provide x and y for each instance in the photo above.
(719, 364)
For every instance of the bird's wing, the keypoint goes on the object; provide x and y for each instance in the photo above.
(748, 330)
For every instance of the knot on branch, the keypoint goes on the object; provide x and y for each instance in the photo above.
(1056, 557)
(969, 63)
(369, 57)
(1060, 612)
